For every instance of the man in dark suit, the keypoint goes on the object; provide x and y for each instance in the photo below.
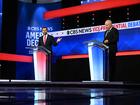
(47, 40)
(111, 37)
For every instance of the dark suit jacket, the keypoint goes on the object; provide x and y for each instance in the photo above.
(113, 37)
(49, 42)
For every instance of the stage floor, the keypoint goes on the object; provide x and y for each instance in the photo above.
(84, 84)
(30, 92)
(35, 83)
(68, 96)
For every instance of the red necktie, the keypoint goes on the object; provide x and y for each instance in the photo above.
(44, 39)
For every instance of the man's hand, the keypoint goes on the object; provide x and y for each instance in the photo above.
(106, 41)
(58, 40)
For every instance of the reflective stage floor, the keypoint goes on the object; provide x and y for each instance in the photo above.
(68, 96)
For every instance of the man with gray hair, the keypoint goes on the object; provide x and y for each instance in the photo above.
(111, 37)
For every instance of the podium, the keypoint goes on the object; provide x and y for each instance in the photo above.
(42, 63)
(98, 60)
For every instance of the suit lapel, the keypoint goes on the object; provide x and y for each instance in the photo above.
(42, 40)
(108, 32)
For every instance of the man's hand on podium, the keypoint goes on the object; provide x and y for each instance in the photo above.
(58, 40)
(106, 41)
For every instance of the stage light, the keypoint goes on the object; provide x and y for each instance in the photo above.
(128, 9)
(77, 17)
(109, 12)
(128, 18)
(88, 1)
(15, 57)
(127, 13)
(123, 53)
(89, 8)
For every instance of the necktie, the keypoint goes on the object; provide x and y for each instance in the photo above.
(106, 33)
(44, 39)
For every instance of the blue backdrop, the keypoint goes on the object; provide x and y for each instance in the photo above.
(30, 22)
(128, 40)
